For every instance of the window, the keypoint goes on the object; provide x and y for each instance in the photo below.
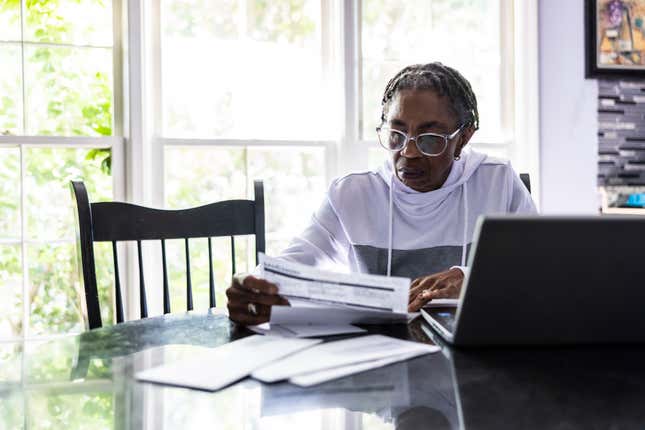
(247, 93)
(259, 90)
(56, 124)
(219, 93)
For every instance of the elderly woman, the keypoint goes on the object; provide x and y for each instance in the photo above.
(415, 215)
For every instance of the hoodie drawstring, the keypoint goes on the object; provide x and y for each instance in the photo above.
(464, 242)
(465, 235)
(389, 245)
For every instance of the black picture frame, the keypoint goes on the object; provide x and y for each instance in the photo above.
(592, 70)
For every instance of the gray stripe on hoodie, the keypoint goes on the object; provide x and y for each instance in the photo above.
(408, 263)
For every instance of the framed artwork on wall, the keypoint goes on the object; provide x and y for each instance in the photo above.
(615, 38)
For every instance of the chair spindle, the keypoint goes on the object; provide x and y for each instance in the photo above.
(117, 285)
(166, 293)
(143, 303)
(211, 279)
(189, 287)
(233, 254)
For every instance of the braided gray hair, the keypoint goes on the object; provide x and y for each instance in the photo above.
(445, 80)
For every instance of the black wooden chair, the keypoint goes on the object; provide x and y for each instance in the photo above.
(119, 221)
(526, 180)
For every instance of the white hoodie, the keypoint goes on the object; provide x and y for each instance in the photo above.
(370, 222)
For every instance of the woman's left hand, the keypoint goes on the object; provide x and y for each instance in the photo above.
(442, 285)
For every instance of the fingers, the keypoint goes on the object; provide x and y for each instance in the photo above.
(247, 319)
(450, 292)
(435, 290)
(257, 285)
(239, 295)
(249, 289)
(425, 283)
(240, 313)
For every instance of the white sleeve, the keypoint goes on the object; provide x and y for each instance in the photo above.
(322, 243)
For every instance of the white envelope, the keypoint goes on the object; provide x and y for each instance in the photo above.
(339, 353)
(315, 378)
(225, 364)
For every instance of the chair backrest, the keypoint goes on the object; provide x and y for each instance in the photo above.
(526, 180)
(119, 221)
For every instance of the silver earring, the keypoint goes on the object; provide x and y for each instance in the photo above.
(457, 157)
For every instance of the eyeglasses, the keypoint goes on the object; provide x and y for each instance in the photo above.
(430, 144)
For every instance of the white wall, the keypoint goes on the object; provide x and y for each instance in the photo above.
(568, 117)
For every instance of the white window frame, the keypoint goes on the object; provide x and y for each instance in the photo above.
(25, 142)
(349, 152)
(138, 148)
(145, 146)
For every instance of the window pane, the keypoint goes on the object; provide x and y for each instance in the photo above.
(69, 91)
(294, 184)
(55, 290)
(10, 20)
(12, 408)
(10, 363)
(10, 193)
(50, 214)
(10, 291)
(473, 48)
(214, 174)
(376, 156)
(10, 89)
(293, 188)
(256, 70)
(87, 22)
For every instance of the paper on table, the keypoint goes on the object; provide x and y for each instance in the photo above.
(368, 292)
(305, 330)
(380, 389)
(321, 315)
(442, 303)
(315, 378)
(225, 364)
(337, 354)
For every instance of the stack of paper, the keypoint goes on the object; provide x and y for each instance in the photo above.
(321, 298)
(332, 360)
(303, 362)
(305, 330)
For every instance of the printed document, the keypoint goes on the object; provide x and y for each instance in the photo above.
(302, 313)
(356, 290)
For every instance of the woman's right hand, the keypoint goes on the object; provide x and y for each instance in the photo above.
(250, 300)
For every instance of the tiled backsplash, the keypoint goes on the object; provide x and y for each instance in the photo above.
(621, 133)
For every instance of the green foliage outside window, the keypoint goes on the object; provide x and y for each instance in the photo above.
(66, 91)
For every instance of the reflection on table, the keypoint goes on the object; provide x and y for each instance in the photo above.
(86, 381)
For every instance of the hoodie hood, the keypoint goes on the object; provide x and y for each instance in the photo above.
(415, 203)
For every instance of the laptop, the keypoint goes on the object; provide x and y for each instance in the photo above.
(550, 280)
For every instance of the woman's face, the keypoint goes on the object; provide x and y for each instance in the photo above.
(424, 111)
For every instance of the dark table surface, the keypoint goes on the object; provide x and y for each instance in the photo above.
(86, 381)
